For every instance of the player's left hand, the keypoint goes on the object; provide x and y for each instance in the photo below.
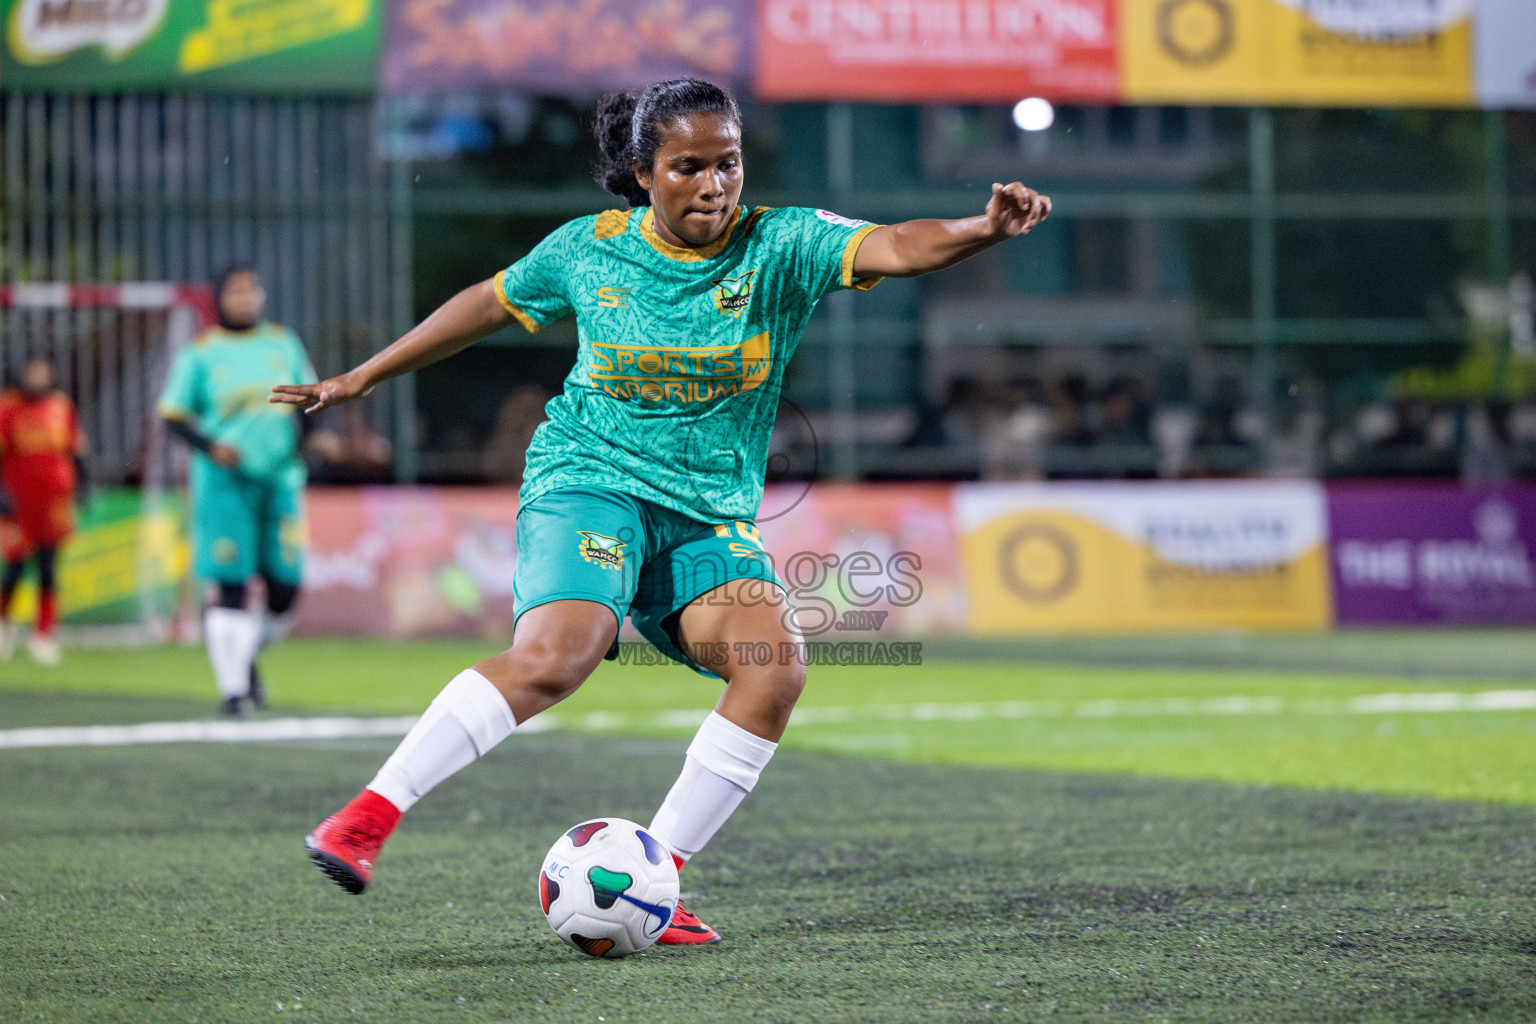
(316, 397)
(1015, 209)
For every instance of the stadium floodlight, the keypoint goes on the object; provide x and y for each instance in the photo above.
(1034, 114)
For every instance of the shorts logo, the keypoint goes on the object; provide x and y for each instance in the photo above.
(225, 551)
(733, 294)
(607, 552)
(613, 298)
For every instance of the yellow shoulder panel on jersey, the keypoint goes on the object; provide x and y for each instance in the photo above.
(611, 223)
(205, 335)
(752, 217)
(530, 325)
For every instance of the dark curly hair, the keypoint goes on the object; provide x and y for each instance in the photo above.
(629, 128)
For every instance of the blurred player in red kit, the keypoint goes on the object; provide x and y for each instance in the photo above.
(41, 478)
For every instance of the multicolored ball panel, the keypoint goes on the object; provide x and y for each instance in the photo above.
(581, 835)
(549, 890)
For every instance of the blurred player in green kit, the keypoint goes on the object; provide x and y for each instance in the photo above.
(247, 479)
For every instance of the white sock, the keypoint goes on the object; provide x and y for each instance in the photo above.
(231, 635)
(273, 629)
(462, 723)
(723, 764)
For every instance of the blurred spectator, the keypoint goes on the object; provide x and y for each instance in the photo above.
(960, 420)
(349, 451)
(1174, 428)
(506, 451)
(1069, 411)
(1014, 440)
(1122, 417)
(1485, 455)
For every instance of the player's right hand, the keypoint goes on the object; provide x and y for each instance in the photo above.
(316, 397)
(225, 455)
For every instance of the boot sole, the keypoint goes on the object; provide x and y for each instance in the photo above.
(334, 868)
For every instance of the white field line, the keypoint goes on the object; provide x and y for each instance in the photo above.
(274, 730)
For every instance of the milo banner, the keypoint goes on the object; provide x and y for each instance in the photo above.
(1326, 52)
(563, 47)
(1082, 558)
(124, 561)
(1428, 553)
(258, 46)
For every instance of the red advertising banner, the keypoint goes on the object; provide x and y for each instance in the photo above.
(562, 47)
(937, 50)
(867, 559)
(861, 563)
(410, 562)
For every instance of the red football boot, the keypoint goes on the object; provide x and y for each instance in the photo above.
(687, 930)
(347, 843)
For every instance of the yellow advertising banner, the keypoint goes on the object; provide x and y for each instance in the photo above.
(1312, 52)
(1086, 558)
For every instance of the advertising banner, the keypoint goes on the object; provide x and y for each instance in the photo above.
(867, 559)
(1083, 558)
(417, 562)
(556, 47)
(410, 562)
(1505, 43)
(259, 46)
(937, 51)
(124, 559)
(1428, 553)
(1324, 52)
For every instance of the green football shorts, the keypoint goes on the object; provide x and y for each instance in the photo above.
(638, 558)
(242, 526)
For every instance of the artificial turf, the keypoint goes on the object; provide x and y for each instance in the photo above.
(167, 883)
(1087, 711)
(891, 866)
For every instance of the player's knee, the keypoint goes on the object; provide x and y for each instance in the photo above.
(47, 571)
(790, 684)
(553, 673)
(779, 686)
(541, 671)
(229, 595)
(281, 597)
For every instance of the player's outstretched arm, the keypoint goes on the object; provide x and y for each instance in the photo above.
(922, 246)
(457, 324)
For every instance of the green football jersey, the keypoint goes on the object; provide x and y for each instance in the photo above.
(682, 351)
(220, 384)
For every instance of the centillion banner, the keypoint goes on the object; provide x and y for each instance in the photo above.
(1128, 558)
(1306, 52)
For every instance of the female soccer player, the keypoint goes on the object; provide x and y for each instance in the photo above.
(247, 478)
(42, 478)
(641, 488)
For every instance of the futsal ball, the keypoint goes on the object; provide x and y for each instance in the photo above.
(608, 887)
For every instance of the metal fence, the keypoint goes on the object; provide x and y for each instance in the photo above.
(175, 188)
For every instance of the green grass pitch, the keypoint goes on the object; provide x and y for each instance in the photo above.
(1197, 829)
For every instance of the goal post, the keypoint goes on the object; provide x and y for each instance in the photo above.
(124, 574)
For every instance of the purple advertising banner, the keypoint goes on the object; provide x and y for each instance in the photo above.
(562, 46)
(1426, 553)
